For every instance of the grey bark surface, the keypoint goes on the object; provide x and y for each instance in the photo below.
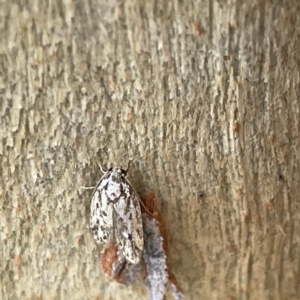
(164, 83)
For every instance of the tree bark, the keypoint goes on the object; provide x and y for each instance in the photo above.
(203, 96)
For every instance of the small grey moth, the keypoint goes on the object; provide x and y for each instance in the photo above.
(115, 214)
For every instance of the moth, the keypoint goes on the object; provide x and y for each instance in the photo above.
(115, 214)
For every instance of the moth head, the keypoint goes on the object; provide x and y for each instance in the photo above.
(124, 172)
(120, 171)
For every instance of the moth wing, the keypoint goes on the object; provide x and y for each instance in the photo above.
(129, 227)
(101, 214)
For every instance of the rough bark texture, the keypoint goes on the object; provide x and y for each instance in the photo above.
(203, 96)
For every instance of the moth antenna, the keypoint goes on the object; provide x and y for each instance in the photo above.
(146, 209)
(88, 187)
(129, 163)
(101, 167)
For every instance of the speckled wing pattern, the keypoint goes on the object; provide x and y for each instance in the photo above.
(116, 215)
(129, 228)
